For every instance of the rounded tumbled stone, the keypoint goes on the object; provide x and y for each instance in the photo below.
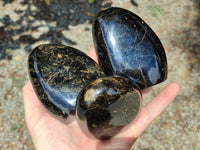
(128, 47)
(58, 73)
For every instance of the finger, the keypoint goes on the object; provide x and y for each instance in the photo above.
(30, 99)
(33, 107)
(145, 92)
(155, 107)
(92, 54)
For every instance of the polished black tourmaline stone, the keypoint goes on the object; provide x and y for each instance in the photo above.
(106, 105)
(128, 47)
(58, 73)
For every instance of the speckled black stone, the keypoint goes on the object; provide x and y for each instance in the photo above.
(106, 105)
(128, 47)
(58, 73)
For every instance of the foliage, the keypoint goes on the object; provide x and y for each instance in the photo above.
(90, 1)
(156, 10)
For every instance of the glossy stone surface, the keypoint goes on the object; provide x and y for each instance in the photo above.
(106, 105)
(128, 47)
(58, 73)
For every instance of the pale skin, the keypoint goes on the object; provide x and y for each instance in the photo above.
(50, 133)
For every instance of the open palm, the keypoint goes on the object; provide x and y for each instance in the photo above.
(49, 132)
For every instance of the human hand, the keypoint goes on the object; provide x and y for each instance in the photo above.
(50, 133)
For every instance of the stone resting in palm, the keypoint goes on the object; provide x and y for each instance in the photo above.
(49, 133)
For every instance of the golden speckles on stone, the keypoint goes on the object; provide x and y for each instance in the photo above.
(97, 81)
(84, 71)
(51, 47)
(59, 55)
(94, 125)
(89, 70)
(66, 67)
(90, 95)
(60, 46)
(142, 22)
(63, 112)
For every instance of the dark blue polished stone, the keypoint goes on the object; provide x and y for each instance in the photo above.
(58, 73)
(127, 46)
